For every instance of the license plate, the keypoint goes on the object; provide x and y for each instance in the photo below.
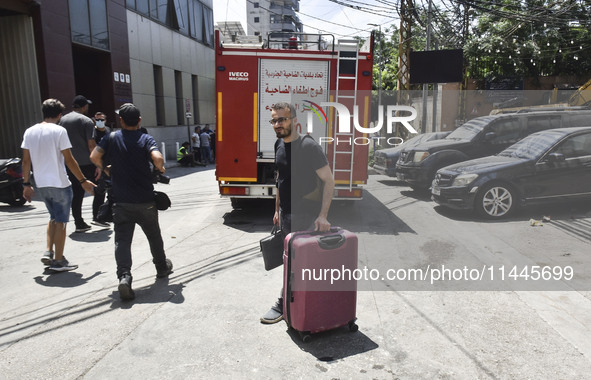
(435, 190)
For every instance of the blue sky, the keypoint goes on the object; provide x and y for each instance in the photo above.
(322, 15)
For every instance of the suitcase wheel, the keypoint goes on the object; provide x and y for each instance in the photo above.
(305, 336)
(353, 326)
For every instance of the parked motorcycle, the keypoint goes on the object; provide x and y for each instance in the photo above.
(11, 182)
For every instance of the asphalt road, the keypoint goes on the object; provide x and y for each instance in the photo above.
(204, 320)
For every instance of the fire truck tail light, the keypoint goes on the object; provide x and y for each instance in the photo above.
(233, 190)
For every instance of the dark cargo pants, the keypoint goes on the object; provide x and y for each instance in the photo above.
(125, 217)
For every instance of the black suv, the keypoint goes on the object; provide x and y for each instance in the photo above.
(483, 136)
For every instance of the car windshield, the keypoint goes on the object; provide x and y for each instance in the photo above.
(532, 146)
(467, 131)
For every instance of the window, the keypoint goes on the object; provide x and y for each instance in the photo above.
(98, 24)
(79, 22)
(162, 10)
(88, 23)
(256, 19)
(575, 146)
(506, 131)
(208, 26)
(159, 94)
(541, 123)
(180, 99)
(181, 9)
(143, 7)
(256, 5)
(195, 88)
(158, 10)
(197, 25)
(189, 17)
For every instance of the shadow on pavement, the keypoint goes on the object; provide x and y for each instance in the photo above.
(251, 215)
(16, 209)
(160, 291)
(366, 215)
(63, 279)
(335, 344)
(95, 235)
(419, 195)
(554, 211)
(573, 218)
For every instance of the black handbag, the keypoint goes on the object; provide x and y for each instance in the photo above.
(272, 248)
(105, 211)
(162, 200)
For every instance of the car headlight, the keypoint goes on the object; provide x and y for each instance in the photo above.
(420, 156)
(464, 179)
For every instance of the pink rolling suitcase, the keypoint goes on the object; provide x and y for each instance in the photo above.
(320, 292)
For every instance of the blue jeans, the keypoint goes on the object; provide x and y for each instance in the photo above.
(205, 154)
(58, 202)
(125, 217)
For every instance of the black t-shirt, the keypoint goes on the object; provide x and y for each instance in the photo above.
(297, 163)
(129, 153)
(98, 135)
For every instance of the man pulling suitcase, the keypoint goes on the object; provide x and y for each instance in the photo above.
(305, 184)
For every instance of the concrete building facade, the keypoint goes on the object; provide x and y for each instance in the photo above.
(157, 54)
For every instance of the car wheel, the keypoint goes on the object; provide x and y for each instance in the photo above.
(496, 200)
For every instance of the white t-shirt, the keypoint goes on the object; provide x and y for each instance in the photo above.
(45, 142)
(204, 139)
(195, 140)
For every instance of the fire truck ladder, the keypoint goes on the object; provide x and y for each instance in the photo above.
(347, 67)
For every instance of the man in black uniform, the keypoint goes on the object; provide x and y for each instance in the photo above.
(304, 184)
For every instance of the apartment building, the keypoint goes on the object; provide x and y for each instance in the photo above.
(268, 16)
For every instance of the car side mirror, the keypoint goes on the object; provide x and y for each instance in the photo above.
(489, 136)
(555, 157)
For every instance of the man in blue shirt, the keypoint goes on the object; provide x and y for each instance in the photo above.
(129, 152)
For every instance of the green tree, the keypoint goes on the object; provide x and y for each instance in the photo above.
(513, 38)
(501, 38)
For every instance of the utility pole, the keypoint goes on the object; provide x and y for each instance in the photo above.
(380, 68)
(380, 63)
(426, 85)
(403, 82)
(464, 85)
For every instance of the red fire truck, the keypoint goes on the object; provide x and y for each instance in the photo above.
(316, 71)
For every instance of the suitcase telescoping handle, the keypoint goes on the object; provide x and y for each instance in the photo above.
(331, 241)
